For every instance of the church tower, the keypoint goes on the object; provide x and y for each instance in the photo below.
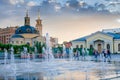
(27, 19)
(39, 24)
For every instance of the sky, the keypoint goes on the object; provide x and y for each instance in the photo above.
(64, 19)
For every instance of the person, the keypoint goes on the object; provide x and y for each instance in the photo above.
(77, 54)
(95, 54)
(105, 55)
(109, 54)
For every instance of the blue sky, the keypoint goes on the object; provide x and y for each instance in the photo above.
(70, 18)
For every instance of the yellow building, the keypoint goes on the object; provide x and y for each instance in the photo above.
(99, 41)
(28, 34)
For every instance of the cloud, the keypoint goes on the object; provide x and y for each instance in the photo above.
(14, 2)
(31, 3)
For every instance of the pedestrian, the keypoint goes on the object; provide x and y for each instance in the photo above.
(108, 54)
(95, 54)
(105, 55)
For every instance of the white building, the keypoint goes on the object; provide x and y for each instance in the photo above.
(99, 41)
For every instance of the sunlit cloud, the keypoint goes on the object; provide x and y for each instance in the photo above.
(118, 20)
(14, 2)
(32, 3)
(75, 16)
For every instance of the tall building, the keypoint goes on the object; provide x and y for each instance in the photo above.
(6, 33)
(27, 19)
(39, 24)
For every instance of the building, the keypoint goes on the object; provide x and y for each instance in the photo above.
(54, 41)
(115, 30)
(6, 33)
(99, 41)
(27, 34)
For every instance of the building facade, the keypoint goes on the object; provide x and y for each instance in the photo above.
(6, 33)
(99, 41)
(27, 34)
(53, 41)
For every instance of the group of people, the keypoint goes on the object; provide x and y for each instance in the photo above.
(81, 54)
(104, 55)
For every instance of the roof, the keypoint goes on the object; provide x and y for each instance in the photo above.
(17, 36)
(26, 29)
(114, 35)
(81, 39)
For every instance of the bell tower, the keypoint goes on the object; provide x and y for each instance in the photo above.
(39, 24)
(27, 19)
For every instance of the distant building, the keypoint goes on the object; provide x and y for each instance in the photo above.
(67, 44)
(6, 33)
(54, 41)
(99, 41)
(115, 30)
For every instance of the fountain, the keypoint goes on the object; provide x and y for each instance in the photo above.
(64, 51)
(71, 53)
(52, 68)
(5, 56)
(12, 55)
(83, 54)
(48, 50)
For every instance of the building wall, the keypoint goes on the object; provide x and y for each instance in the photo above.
(6, 33)
(99, 36)
(79, 43)
(116, 43)
(29, 35)
(17, 41)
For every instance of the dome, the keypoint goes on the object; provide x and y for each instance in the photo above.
(26, 29)
(17, 36)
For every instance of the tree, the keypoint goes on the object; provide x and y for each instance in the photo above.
(39, 46)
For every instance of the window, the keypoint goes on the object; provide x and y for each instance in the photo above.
(13, 42)
(17, 42)
(108, 46)
(28, 43)
(28, 30)
(91, 46)
(77, 46)
(19, 30)
(119, 47)
(81, 46)
(21, 42)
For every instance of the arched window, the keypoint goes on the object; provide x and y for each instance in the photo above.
(108, 46)
(81, 46)
(91, 46)
(28, 43)
(28, 30)
(17, 42)
(119, 47)
(77, 46)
